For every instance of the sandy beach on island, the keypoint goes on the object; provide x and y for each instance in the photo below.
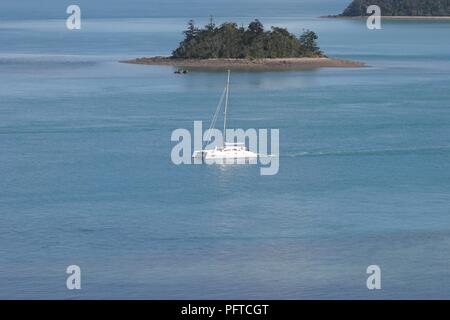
(257, 64)
(392, 17)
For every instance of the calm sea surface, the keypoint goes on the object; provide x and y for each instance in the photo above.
(86, 176)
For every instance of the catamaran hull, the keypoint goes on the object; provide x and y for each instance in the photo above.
(219, 156)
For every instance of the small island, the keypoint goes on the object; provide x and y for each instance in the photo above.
(399, 9)
(235, 47)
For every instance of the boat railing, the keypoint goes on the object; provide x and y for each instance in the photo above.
(234, 144)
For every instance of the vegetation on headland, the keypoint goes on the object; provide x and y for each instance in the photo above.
(426, 8)
(229, 41)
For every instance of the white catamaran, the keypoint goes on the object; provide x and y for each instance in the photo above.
(228, 152)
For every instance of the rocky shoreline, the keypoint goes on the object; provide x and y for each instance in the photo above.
(256, 64)
(390, 17)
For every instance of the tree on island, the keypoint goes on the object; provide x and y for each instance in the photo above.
(309, 41)
(400, 7)
(228, 41)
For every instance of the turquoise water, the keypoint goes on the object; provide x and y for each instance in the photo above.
(86, 176)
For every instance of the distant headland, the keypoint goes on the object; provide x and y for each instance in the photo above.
(236, 47)
(399, 9)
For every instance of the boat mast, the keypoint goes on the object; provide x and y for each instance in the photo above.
(225, 111)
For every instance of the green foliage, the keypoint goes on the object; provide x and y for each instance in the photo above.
(230, 41)
(400, 7)
(309, 41)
